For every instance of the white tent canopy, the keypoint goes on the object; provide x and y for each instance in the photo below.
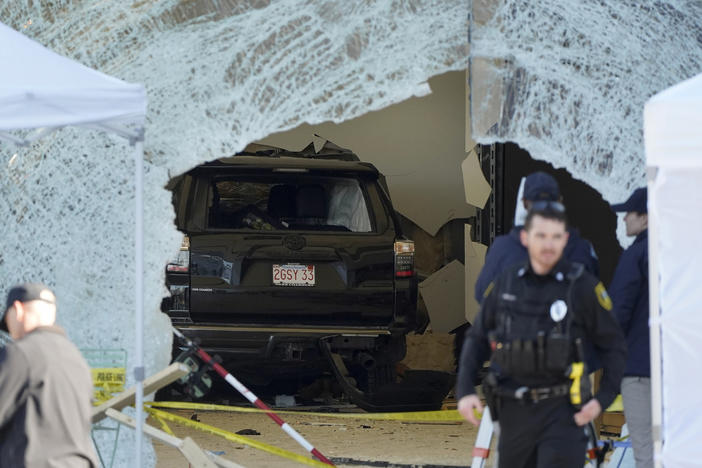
(673, 139)
(42, 90)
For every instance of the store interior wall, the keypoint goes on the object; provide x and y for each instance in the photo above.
(418, 144)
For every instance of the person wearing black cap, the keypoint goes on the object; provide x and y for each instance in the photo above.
(531, 326)
(507, 250)
(45, 387)
(629, 293)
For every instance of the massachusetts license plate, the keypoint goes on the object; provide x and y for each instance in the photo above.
(293, 274)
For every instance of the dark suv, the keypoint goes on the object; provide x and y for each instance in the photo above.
(294, 263)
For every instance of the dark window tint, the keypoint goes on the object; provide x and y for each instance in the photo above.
(316, 204)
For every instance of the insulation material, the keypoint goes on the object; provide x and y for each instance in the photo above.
(219, 74)
(443, 295)
(567, 80)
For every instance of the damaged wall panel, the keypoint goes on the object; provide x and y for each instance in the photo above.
(443, 293)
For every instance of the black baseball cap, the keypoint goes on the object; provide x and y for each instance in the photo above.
(25, 292)
(638, 202)
(540, 186)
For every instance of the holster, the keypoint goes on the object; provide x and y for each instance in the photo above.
(491, 395)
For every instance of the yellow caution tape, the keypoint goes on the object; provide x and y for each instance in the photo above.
(230, 436)
(166, 428)
(427, 416)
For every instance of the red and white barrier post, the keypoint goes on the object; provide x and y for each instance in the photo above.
(241, 388)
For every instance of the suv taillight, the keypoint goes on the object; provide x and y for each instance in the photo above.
(404, 258)
(182, 263)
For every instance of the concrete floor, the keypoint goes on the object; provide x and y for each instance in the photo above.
(348, 442)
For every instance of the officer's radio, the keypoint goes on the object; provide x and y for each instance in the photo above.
(557, 352)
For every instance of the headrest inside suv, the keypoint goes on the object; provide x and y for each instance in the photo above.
(311, 202)
(281, 201)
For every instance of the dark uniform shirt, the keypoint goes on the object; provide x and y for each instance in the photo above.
(591, 319)
(45, 407)
(629, 292)
(507, 250)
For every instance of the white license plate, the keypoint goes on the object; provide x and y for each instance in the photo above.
(293, 274)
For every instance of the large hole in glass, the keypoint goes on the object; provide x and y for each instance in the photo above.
(325, 227)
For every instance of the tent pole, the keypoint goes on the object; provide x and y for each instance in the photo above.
(654, 321)
(139, 295)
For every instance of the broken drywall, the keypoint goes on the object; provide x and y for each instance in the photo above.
(443, 294)
(477, 189)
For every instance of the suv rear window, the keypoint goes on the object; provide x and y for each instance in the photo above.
(314, 204)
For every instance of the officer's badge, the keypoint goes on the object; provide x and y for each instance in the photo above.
(602, 296)
(559, 309)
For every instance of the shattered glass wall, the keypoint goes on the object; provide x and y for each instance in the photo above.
(567, 79)
(219, 74)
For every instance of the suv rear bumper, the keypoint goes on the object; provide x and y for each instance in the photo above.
(279, 343)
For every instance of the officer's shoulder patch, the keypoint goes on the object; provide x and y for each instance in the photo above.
(602, 296)
(488, 290)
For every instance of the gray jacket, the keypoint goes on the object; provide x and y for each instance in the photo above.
(45, 392)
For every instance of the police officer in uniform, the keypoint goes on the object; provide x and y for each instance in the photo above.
(629, 290)
(532, 324)
(507, 250)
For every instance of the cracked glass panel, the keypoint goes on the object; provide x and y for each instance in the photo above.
(567, 80)
(219, 74)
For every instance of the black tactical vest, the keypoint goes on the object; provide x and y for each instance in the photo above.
(531, 332)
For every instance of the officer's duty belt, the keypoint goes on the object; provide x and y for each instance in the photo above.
(535, 394)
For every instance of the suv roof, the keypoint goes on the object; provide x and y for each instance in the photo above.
(329, 158)
(286, 162)
(328, 151)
